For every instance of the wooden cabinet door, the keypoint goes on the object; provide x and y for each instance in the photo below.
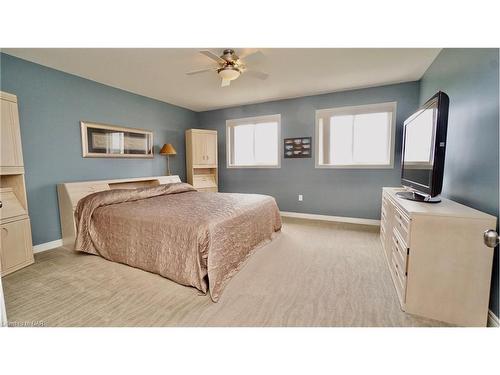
(16, 251)
(198, 144)
(211, 149)
(11, 155)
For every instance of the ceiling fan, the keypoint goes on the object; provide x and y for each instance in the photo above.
(230, 66)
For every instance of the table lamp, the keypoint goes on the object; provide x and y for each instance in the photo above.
(168, 150)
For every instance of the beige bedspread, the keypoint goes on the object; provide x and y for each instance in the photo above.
(194, 238)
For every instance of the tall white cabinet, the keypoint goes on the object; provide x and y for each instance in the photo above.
(15, 230)
(201, 159)
(440, 266)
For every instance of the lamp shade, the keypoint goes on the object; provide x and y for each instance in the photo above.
(168, 149)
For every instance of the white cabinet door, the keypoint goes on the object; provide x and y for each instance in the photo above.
(211, 149)
(10, 146)
(198, 144)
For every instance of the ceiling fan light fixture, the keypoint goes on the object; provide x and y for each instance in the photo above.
(229, 73)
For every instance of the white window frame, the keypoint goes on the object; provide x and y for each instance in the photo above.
(251, 120)
(355, 110)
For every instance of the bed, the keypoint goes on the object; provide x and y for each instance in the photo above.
(160, 225)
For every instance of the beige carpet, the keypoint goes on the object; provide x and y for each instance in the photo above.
(314, 274)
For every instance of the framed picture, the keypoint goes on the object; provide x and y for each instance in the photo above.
(297, 147)
(109, 141)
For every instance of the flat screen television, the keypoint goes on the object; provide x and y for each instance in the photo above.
(424, 146)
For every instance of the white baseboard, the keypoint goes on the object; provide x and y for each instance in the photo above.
(492, 319)
(339, 219)
(47, 246)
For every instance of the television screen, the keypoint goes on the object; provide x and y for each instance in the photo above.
(418, 159)
(424, 144)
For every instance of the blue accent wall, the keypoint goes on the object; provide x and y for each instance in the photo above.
(51, 105)
(471, 173)
(337, 192)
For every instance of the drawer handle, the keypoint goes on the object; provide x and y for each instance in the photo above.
(6, 231)
(1, 204)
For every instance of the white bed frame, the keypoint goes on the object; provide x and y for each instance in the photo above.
(70, 193)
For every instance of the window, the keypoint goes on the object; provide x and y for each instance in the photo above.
(253, 142)
(356, 137)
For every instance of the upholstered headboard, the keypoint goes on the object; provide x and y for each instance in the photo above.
(70, 193)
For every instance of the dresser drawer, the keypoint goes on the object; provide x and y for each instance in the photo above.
(398, 263)
(382, 230)
(383, 215)
(201, 181)
(400, 256)
(382, 235)
(10, 207)
(399, 282)
(385, 203)
(402, 224)
(16, 251)
(400, 245)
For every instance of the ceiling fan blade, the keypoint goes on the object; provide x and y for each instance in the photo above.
(213, 56)
(225, 83)
(200, 71)
(257, 74)
(253, 57)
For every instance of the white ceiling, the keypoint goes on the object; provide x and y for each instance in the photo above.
(159, 73)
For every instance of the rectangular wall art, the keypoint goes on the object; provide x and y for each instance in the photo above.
(297, 147)
(109, 141)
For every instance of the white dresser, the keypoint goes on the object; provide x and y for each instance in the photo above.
(440, 267)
